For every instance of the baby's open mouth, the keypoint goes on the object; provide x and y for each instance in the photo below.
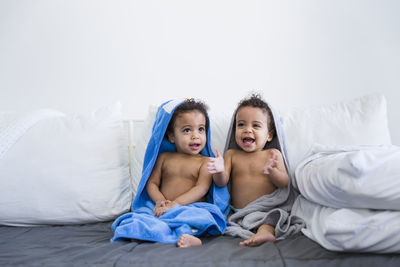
(194, 146)
(248, 141)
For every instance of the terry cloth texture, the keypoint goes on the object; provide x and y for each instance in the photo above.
(273, 209)
(196, 219)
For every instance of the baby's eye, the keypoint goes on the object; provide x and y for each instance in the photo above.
(202, 129)
(256, 125)
(186, 130)
(240, 124)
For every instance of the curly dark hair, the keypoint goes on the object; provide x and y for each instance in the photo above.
(256, 101)
(187, 106)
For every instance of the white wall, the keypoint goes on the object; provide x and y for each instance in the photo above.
(77, 55)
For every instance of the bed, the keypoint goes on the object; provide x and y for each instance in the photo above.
(66, 177)
(88, 245)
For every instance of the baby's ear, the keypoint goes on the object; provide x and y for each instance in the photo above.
(171, 138)
(270, 137)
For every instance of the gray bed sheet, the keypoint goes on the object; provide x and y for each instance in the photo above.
(88, 245)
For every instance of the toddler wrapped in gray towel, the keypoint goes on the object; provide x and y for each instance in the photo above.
(261, 195)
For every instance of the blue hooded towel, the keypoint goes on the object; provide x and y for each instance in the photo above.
(200, 218)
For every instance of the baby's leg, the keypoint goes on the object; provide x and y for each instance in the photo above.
(186, 241)
(265, 233)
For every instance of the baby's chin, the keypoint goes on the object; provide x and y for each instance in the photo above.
(249, 149)
(191, 152)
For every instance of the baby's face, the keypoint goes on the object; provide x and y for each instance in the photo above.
(189, 134)
(252, 129)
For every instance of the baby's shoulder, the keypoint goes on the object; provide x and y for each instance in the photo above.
(197, 161)
(232, 151)
(165, 155)
(272, 149)
(269, 151)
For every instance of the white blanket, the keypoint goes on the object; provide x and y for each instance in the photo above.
(358, 230)
(351, 177)
(350, 198)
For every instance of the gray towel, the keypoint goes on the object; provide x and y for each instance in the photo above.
(273, 209)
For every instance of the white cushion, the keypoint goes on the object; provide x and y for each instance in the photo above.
(361, 121)
(352, 177)
(358, 230)
(66, 170)
(141, 139)
(219, 123)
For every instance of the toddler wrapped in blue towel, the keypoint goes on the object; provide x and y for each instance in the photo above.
(176, 200)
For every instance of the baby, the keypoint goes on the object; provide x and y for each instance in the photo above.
(181, 177)
(253, 170)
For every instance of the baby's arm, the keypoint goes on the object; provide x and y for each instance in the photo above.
(153, 186)
(199, 190)
(220, 168)
(275, 169)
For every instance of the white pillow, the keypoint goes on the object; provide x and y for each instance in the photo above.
(142, 137)
(219, 123)
(352, 177)
(361, 121)
(357, 230)
(66, 170)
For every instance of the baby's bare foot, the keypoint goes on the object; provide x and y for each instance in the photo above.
(186, 241)
(257, 240)
(264, 234)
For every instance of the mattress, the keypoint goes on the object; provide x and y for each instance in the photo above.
(89, 245)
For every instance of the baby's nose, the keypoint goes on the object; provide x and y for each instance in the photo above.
(195, 135)
(248, 129)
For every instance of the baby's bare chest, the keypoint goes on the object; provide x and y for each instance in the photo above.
(249, 164)
(182, 167)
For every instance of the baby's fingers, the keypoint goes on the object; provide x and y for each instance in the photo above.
(211, 160)
(156, 213)
(211, 165)
(217, 153)
(161, 211)
(212, 170)
(267, 169)
(274, 155)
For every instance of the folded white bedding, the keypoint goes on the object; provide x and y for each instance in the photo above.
(360, 230)
(351, 176)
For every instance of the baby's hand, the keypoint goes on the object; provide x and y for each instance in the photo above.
(159, 209)
(160, 203)
(163, 207)
(271, 164)
(216, 165)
